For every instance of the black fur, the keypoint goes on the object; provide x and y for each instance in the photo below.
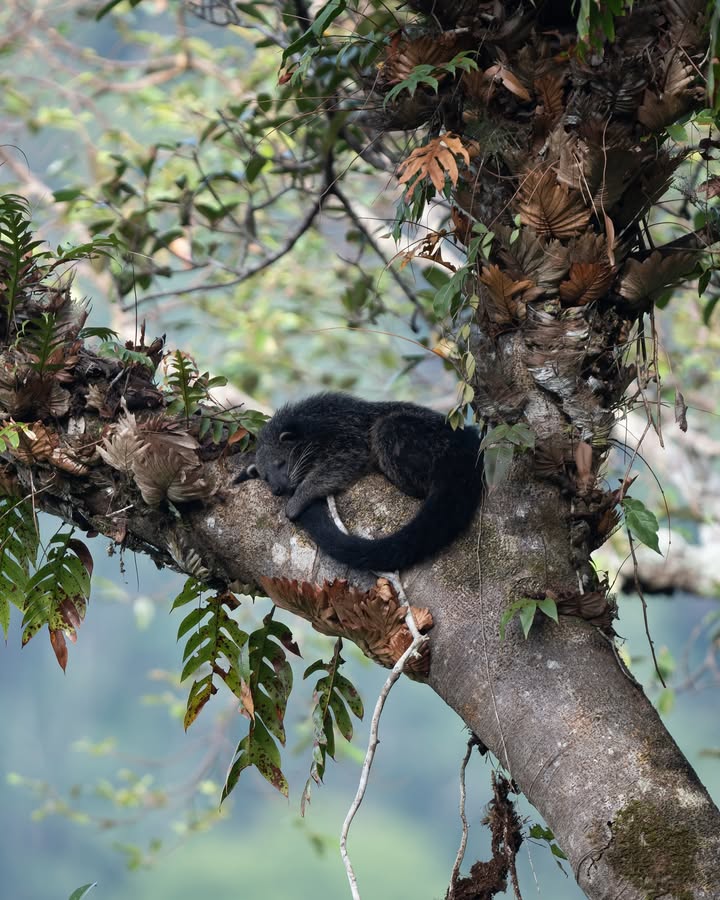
(322, 445)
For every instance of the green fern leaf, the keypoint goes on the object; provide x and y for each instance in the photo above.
(19, 542)
(58, 592)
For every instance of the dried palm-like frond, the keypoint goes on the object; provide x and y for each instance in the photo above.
(588, 282)
(402, 56)
(658, 168)
(122, 444)
(374, 619)
(160, 456)
(645, 281)
(550, 208)
(504, 299)
(686, 19)
(673, 96)
(161, 471)
(545, 262)
(26, 395)
(550, 93)
(620, 91)
(591, 272)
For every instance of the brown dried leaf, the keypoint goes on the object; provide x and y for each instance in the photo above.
(436, 161)
(504, 305)
(545, 262)
(374, 619)
(96, 396)
(673, 98)
(551, 208)
(57, 642)
(403, 56)
(711, 187)
(587, 283)
(502, 75)
(122, 444)
(680, 411)
(163, 471)
(593, 606)
(36, 443)
(551, 97)
(585, 477)
(648, 279)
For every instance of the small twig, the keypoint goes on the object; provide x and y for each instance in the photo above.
(644, 608)
(373, 741)
(463, 818)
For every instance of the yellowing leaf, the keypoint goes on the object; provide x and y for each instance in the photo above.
(436, 161)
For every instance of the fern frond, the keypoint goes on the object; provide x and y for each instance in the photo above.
(18, 264)
(58, 592)
(19, 542)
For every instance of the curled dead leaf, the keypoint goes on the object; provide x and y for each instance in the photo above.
(373, 619)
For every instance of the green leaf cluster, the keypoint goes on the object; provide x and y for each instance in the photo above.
(499, 447)
(334, 699)
(525, 609)
(270, 683)
(19, 544)
(57, 593)
(641, 522)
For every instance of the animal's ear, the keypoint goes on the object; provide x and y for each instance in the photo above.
(286, 436)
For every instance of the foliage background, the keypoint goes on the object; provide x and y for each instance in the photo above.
(268, 336)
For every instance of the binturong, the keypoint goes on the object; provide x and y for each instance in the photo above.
(321, 445)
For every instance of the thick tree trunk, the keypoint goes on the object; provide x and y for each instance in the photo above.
(576, 733)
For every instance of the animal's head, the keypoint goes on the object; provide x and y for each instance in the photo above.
(283, 457)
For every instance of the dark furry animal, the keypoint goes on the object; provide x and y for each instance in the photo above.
(320, 446)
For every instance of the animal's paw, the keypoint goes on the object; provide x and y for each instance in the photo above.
(293, 508)
(246, 474)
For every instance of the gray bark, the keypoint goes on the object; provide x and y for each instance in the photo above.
(576, 733)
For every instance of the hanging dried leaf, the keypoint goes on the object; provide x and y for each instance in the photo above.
(550, 208)
(503, 305)
(374, 619)
(501, 74)
(436, 161)
(680, 411)
(59, 645)
(463, 225)
(665, 105)
(545, 262)
(549, 90)
(587, 283)
(646, 280)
